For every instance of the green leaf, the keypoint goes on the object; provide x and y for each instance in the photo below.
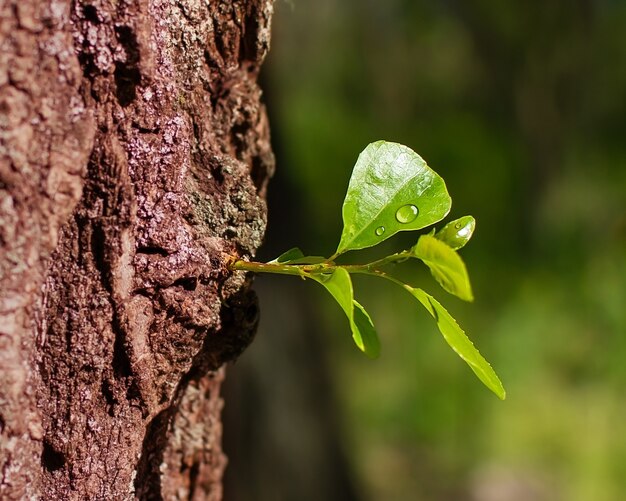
(366, 330)
(459, 342)
(340, 287)
(458, 232)
(391, 190)
(445, 264)
(287, 256)
(296, 256)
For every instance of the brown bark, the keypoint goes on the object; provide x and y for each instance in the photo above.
(134, 155)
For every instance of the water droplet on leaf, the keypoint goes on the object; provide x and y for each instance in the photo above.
(380, 230)
(458, 226)
(407, 213)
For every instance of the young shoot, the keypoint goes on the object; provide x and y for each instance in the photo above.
(391, 190)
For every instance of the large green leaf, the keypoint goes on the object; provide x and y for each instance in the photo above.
(445, 264)
(391, 190)
(459, 342)
(340, 287)
(458, 232)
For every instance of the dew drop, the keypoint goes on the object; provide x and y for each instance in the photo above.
(380, 230)
(458, 226)
(407, 213)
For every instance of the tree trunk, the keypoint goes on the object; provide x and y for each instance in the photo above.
(134, 155)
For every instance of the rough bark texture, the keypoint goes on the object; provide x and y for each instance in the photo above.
(134, 154)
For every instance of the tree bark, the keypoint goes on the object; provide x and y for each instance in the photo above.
(134, 156)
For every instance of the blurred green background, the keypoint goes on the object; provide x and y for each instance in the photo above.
(521, 107)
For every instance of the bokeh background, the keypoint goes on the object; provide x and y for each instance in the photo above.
(521, 107)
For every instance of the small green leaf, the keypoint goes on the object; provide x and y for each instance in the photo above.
(340, 287)
(459, 342)
(458, 232)
(445, 264)
(367, 332)
(296, 256)
(391, 190)
(287, 256)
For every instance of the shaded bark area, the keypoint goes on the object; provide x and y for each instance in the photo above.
(134, 156)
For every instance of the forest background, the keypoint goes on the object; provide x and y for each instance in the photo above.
(521, 107)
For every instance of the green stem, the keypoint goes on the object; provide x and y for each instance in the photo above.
(333, 257)
(304, 270)
(283, 269)
(384, 275)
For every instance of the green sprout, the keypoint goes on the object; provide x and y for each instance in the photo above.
(391, 190)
